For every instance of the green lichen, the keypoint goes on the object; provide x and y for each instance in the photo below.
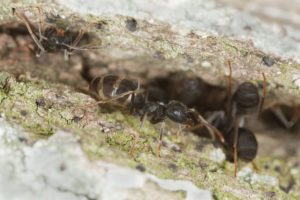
(5, 12)
(283, 68)
(230, 45)
(168, 50)
(4, 79)
(219, 195)
(114, 146)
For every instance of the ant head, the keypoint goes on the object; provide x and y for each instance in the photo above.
(247, 95)
(178, 112)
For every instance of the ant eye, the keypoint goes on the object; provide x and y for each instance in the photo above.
(247, 95)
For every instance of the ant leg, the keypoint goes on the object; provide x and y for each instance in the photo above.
(162, 128)
(106, 101)
(179, 132)
(66, 54)
(280, 115)
(143, 121)
(133, 145)
(90, 45)
(137, 136)
(263, 97)
(235, 142)
(132, 103)
(38, 52)
(81, 33)
(295, 115)
(85, 47)
(32, 34)
(255, 167)
(214, 116)
(40, 24)
(228, 107)
(210, 127)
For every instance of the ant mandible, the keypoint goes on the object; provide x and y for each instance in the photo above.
(239, 142)
(126, 92)
(53, 39)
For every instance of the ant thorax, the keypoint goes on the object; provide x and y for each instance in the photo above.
(56, 39)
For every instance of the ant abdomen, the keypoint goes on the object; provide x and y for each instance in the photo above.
(246, 145)
(96, 85)
(126, 85)
(109, 86)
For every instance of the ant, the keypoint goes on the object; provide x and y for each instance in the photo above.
(239, 142)
(126, 92)
(53, 39)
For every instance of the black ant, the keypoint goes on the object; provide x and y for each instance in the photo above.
(126, 92)
(53, 39)
(239, 142)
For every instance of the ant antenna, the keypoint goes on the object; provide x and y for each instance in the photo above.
(264, 95)
(209, 126)
(229, 89)
(235, 143)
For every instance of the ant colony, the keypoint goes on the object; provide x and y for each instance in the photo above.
(187, 101)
